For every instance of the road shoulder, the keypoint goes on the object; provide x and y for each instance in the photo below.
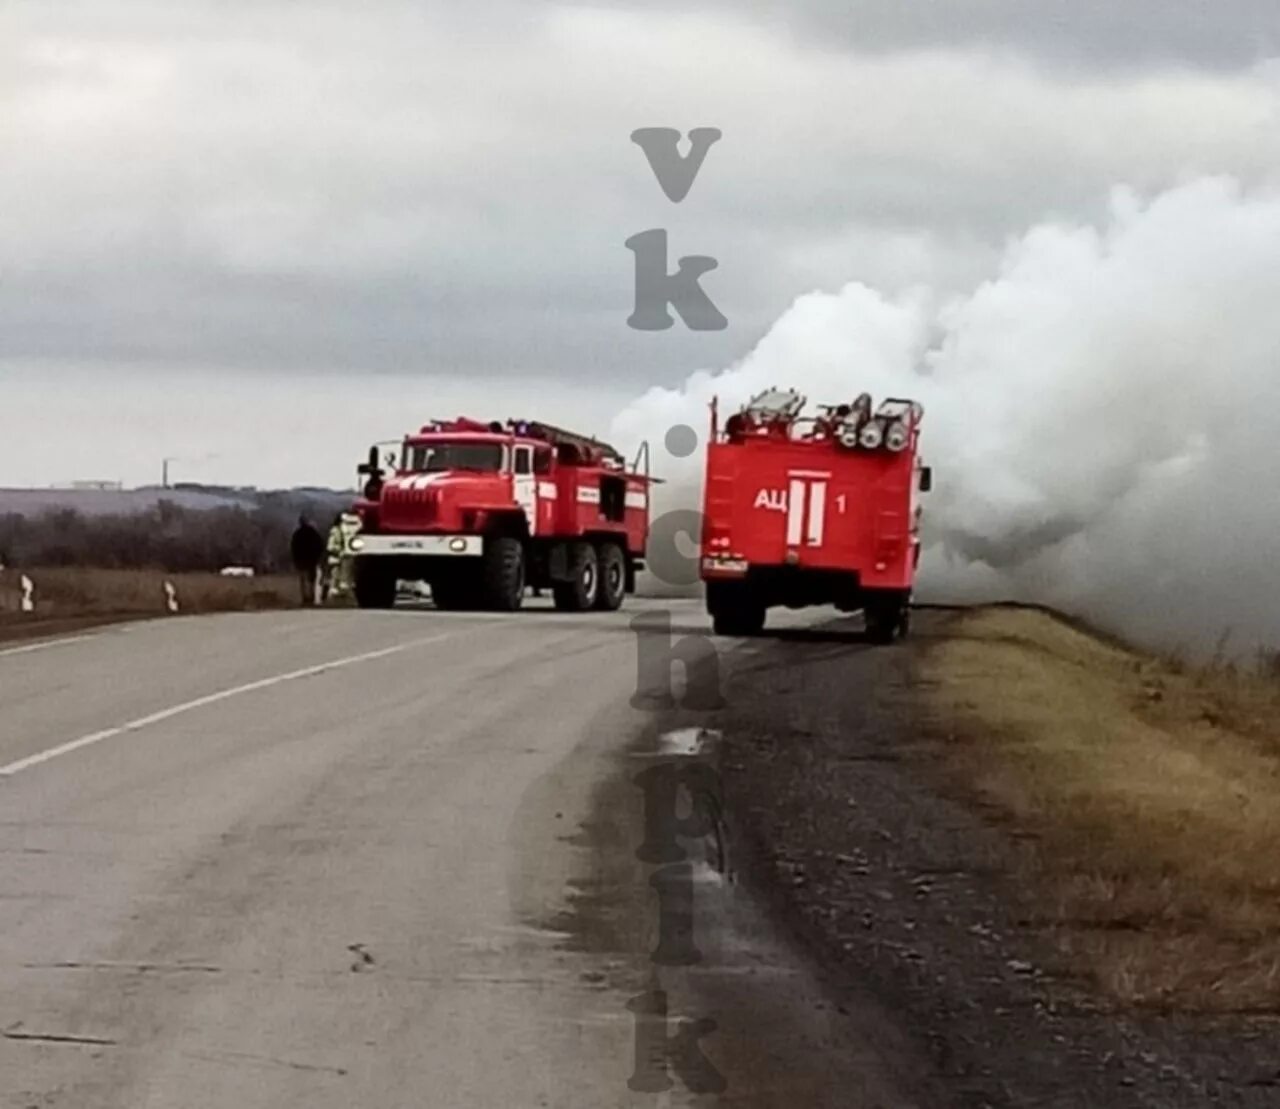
(899, 886)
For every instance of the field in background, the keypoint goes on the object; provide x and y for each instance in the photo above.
(141, 529)
(70, 597)
(1147, 792)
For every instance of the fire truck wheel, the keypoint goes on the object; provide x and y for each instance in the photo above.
(743, 619)
(579, 593)
(613, 577)
(504, 574)
(886, 620)
(375, 588)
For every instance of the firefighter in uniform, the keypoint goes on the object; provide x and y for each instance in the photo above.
(339, 579)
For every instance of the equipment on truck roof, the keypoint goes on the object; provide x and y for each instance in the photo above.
(559, 437)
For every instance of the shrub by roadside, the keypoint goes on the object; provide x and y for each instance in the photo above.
(166, 536)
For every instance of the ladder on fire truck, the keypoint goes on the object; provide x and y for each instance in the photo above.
(587, 446)
(558, 437)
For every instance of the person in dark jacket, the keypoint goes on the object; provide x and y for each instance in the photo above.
(307, 549)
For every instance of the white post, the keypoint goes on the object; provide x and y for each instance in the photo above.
(28, 594)
(170, 597)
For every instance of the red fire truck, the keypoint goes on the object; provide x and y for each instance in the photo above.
(481, 510)
(812, 510)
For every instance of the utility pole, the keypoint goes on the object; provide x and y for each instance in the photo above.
(164, 472)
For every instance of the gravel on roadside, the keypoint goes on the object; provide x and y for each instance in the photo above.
(894, 886)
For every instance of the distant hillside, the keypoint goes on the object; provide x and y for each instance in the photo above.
(182, 529)
(126, 502)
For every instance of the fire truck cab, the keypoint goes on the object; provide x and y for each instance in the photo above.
(812, 510)
(479, 511)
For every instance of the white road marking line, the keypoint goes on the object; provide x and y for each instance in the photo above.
(209, 699)
(44, 644)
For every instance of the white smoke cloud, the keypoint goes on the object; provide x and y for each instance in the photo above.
(1103, 414)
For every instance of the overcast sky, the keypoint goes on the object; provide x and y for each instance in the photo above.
(256, 235)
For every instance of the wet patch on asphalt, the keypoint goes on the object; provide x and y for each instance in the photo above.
(653, 901)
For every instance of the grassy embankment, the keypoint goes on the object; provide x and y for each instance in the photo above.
(1148, 791)
(68, 599)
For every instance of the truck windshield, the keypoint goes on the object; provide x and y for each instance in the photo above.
(434, 457)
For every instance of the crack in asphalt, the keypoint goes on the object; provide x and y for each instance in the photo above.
(14, 1033)
(265, 1060)
(140, 968)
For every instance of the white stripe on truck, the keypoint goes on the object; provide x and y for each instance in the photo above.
(795, 512)
(817, 512)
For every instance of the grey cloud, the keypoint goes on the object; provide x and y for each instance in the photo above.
(448, 188)
(1086, 34)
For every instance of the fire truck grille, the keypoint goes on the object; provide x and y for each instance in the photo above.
(418, 504)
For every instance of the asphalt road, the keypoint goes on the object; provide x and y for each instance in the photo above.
(343, 858)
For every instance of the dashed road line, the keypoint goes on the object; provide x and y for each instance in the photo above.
(45, 644)
(209, 699)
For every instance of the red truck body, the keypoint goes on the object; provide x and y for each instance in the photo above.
(480, 510)
(812, 510)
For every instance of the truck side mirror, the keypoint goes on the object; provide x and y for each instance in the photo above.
(370, 467)
(926, 478)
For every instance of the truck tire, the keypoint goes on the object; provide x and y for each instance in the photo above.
(886, 619)
(502, 574)
(735, 609)
(578, 593)
(747, 619)
(375, 585)
(613, 577)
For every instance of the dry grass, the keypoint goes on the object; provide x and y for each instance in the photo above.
(78, 597)
(1149, 791)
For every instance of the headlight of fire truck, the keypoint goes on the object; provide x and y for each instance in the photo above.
(896, 437)
(871, 435)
